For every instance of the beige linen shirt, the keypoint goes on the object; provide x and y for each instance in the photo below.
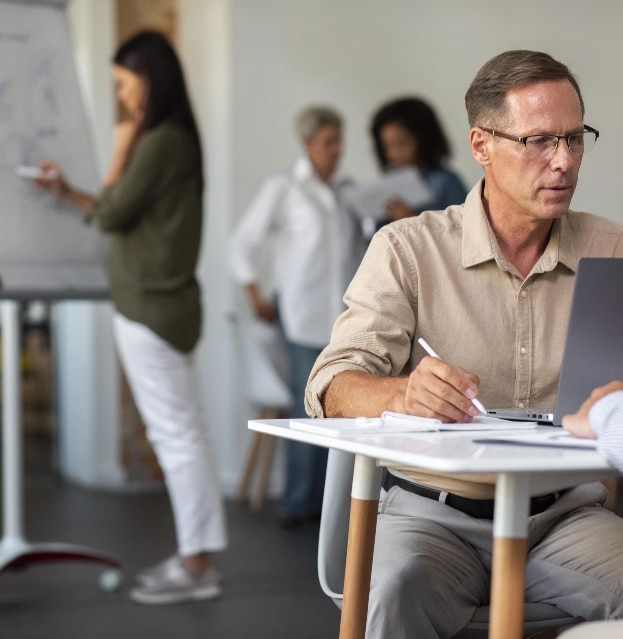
(442, 276)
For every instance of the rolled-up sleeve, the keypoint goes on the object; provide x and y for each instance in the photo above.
(149, 172)
(375, 333)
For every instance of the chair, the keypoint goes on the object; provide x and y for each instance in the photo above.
(332, 542)
(266, 369)
(595, 630)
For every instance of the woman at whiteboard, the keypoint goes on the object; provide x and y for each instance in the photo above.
(151, 206)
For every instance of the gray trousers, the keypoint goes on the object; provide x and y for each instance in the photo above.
(432, 563)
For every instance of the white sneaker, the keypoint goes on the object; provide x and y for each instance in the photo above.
(172, 582)
(146, 576)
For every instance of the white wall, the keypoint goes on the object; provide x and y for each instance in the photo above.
(251, 64)
(358, 53)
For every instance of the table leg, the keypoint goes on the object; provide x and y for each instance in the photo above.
(15, 551)
(11, 429)
(361, 533)
(510, 531)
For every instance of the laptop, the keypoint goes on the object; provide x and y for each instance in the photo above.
(593, 353)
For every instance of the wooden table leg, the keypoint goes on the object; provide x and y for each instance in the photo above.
(361, 533)
(243, 486)
(266, 452)
(508, 571)
(258, 460)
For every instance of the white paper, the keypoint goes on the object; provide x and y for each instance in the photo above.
(560, 438)
(369, 200)
(480, 422)
(361, 426)
(390, 423)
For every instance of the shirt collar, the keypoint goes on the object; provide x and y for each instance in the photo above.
(480, 244)
(303, 171)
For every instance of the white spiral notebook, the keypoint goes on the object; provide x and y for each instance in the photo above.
(399, 423)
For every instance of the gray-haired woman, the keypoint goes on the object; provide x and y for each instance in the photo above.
(318, 245)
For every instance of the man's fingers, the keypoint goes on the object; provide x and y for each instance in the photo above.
(437, 389)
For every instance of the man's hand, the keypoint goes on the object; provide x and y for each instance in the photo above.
(577, 423)
(437, 389)
(434, 389)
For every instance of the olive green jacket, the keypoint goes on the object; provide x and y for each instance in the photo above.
(153, 214)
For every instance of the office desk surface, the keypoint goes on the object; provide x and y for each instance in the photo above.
(450, 452)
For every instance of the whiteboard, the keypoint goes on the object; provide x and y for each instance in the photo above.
(43, 241)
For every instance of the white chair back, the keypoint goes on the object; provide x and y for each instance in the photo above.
(333, 534)
(265, 363)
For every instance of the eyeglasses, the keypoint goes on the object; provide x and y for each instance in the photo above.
(543, 146)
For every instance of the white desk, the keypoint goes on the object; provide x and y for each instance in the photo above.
(521, 472)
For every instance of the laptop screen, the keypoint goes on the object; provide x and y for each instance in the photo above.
(593, 354)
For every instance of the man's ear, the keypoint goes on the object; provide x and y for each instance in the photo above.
(479, 144)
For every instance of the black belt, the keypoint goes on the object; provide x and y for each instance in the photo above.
(478, 508)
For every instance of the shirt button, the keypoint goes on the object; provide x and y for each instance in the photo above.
(523, 350)
(521, 404)
(523, 293)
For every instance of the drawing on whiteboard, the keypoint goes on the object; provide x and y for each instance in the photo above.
(41, 117)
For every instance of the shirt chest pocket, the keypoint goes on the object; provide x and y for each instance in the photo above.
(303, 219)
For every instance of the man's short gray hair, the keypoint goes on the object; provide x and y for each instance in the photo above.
(485, 99)
(311, 119)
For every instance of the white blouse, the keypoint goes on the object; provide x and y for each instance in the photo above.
(317, 248)
(606, 419)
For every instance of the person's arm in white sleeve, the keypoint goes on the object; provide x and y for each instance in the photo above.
(606, 419)
(601, 417)
(248, 241)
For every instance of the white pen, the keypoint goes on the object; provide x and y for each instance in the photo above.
(427, 347)
(34, 173)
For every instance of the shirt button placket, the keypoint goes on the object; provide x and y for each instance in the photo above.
(523, 340)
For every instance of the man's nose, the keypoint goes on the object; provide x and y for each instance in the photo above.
(562, 154)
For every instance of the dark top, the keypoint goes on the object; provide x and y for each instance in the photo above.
(446, 188)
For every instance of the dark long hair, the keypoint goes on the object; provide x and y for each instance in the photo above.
(149, 54)
(417, 117)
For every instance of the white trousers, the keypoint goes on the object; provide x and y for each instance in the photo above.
(164, 385)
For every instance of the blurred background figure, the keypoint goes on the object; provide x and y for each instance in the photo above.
(151, 205)
(407, 133)
(316, 247)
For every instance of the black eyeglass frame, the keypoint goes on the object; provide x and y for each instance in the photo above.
(524, 139)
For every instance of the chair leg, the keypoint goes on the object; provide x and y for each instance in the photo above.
(268, 442)
(258, 459)
(245, 480)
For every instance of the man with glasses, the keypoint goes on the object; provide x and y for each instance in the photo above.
(488, 284)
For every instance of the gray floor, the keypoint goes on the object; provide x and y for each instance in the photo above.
(271, 587)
